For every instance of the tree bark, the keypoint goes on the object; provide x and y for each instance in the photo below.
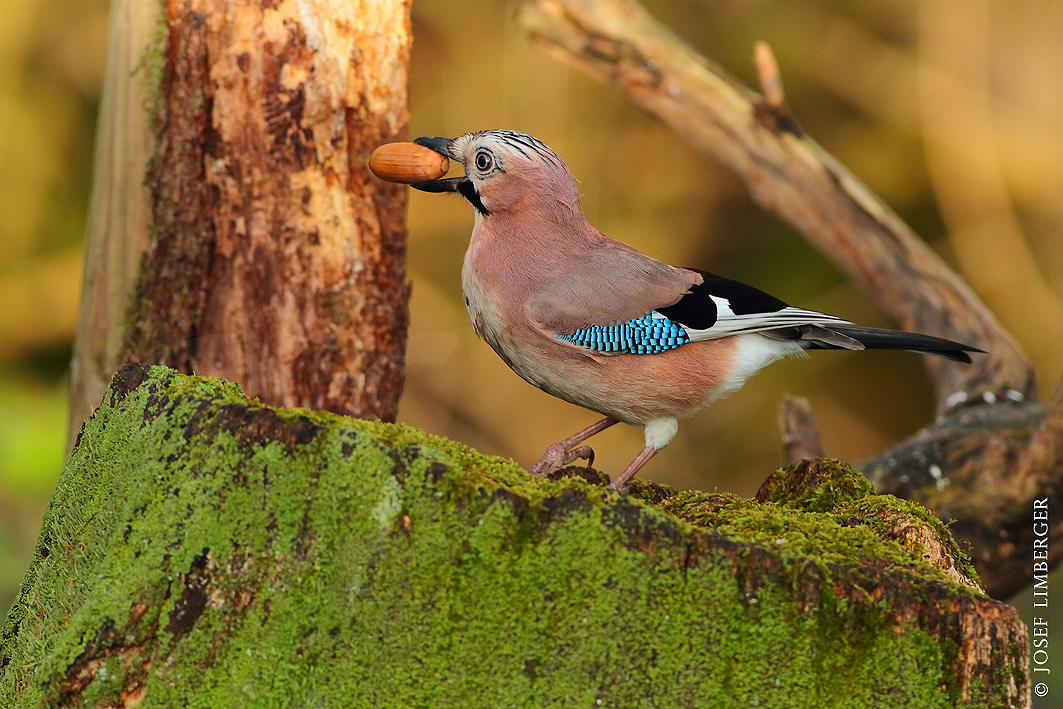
(800, 437)
(203, 549)
(275, 259)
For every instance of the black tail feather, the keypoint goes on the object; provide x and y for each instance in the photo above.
(874, 338)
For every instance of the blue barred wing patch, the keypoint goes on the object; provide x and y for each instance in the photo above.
(649, 334)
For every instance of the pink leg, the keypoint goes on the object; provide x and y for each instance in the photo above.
(564, 452)
(629, 472)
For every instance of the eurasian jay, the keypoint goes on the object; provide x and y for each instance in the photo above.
(601, 325)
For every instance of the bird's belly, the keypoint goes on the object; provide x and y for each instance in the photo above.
(632, 388)
(640, 388)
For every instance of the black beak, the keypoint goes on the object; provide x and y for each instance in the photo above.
(441, 146)
(462, 185)
(450, 184)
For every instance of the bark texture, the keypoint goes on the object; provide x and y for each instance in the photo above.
(276, 260)
(203, 549)
(988, 468)
(800, 438)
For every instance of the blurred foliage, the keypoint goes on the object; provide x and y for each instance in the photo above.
(952, 112)
(51, 58)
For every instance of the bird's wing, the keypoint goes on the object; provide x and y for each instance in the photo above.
(649, 320)
(718, 307)
(607, 285)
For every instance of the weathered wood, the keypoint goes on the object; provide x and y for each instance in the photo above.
(985, 467)
(275, 258)
(203, 549)
(278, 261)
(116, 233)
(800, 438)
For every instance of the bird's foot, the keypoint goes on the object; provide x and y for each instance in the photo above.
(549, 462)
(556, 456)
(582, 453)
(564, 452)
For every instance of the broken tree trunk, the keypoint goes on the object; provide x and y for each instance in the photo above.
(203, 549)
(275, 260)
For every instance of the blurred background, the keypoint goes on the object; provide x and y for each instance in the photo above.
(950, 110)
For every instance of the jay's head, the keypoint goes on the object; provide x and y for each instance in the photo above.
(505, 171)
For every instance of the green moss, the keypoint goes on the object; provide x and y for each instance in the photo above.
(206, 550)
(858, 530)
(152, 63)
(881, 513)
(815, 486)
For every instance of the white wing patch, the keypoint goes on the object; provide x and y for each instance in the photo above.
(728, 323)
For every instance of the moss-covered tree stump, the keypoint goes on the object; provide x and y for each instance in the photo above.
(204, 550)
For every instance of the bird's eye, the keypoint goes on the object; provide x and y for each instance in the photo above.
(484, 161)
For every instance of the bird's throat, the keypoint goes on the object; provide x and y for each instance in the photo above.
(468, 191)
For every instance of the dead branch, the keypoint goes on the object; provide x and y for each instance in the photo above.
(768, 75)
(800, 438)
(993, 451)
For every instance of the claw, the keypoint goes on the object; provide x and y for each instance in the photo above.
(564, 452)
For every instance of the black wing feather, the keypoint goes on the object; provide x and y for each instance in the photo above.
(874, 338)
(697, 310)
